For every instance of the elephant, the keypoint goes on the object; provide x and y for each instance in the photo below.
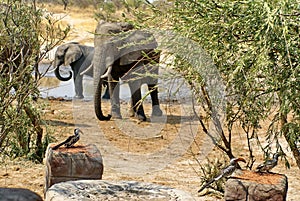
(119, 52)
(79, 58)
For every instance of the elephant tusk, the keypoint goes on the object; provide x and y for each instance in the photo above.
(51, 65)
(87, 70)
(50, 70)
(108, 72)
(54, 65)
(104, 76)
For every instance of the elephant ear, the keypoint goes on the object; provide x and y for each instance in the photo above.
(131, 57)
(73, 53)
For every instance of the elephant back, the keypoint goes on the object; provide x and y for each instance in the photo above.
(138, 43)
(109, 28)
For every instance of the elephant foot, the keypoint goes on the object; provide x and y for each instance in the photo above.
(140, 116)
(131, 112)
(156, 111)
(78, 97)
(116, 115)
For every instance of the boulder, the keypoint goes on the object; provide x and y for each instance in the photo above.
(253, 186)
(113, 190)
(19, 194)
(78, 162)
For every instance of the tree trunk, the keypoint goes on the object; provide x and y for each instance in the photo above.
(291, 142)
(39, 131)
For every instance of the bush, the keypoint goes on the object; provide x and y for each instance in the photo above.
(21, 37)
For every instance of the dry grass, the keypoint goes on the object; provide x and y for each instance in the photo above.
(54, 8)
(20, 173)
(81, 21)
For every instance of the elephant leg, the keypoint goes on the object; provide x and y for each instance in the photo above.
(131, 112)
(78, 86)
(114, 89)
(156, 111)
(137, 106)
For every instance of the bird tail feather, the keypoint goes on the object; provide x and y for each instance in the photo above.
(206, 185)
(57, 146)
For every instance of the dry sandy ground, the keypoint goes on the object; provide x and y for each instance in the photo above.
(122, 140)
(182, 173)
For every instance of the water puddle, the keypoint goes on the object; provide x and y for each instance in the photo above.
(50, 86)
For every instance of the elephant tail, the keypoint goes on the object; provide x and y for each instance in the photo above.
(97, 103)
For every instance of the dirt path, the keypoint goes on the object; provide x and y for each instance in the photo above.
(82, 24)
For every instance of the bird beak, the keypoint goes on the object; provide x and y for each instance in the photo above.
(80, 131)
(241, 159)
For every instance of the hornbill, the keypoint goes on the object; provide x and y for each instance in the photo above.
(268, 164)
(227, 171)
(71, 140)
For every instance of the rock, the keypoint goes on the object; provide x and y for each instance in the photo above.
(79, 162)
(19, 194)
(112, 190)
(252, 186)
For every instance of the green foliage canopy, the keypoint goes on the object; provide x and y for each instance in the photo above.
(255, 46)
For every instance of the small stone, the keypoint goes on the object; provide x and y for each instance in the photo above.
(19, 194)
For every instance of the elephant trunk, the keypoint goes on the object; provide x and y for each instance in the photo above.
(99, 68)
(97, 102)
(57, 74)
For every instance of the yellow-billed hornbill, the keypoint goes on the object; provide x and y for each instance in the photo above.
(268, 164)
(226, 172)
(71, 140)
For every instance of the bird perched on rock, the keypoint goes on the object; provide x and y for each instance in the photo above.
(268, 164)
(71, 140)
(227, 171)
